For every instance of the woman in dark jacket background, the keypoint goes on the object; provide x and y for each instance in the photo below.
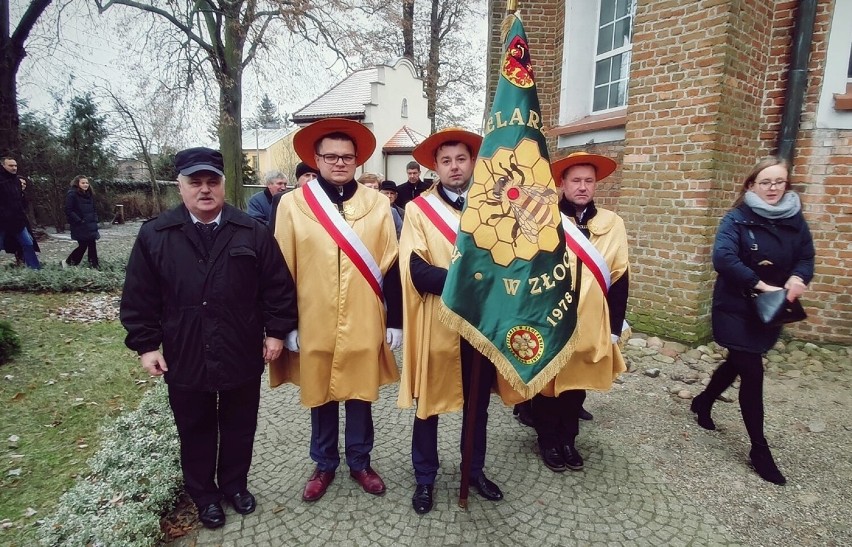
(81, 214)
(763, 244)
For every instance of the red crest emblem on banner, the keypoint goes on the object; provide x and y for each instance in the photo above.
(517, 67)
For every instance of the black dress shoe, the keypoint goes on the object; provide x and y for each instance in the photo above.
(573, 459)
(586, 415)
(553, 459)
(486, 488)
(243, 502)
(523, 413)
(211, 515)
(422, 499)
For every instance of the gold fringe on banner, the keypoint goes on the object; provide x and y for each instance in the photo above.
(484, 346)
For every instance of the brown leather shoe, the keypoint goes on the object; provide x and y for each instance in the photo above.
(369, 480)
(317, 485)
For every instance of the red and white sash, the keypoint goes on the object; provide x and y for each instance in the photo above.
(343, 234)
(438, 214)
(588, 254)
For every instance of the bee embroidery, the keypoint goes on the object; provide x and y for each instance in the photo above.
(530, 205)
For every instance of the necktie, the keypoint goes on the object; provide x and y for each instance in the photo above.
(206, 231)
(460, 202)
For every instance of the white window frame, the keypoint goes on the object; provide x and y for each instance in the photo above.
(610, 54)
(578, 72)
(836, 72)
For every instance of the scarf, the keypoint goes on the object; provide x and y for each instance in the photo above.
(788, 206)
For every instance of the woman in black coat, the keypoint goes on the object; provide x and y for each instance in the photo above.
(763, 244)
(81, 214)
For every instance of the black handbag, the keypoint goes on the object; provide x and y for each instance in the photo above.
(774, 310)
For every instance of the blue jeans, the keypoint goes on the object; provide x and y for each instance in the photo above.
(26, 242)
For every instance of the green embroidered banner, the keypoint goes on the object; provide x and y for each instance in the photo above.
(509, 289)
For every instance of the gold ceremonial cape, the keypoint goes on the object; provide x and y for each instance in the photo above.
(431, 352)
(596, 361)
(343, 353)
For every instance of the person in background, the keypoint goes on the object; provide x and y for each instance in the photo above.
(11, 245)
(412, 187)
(260, 204)
(82, 215)
(388, 188)
(338, 241)
(374, 182)
(13, 216)
(304, 174)
(205, 283)
(763, 244)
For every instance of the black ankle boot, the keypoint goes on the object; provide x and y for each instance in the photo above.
(764, 465)
(702, 405)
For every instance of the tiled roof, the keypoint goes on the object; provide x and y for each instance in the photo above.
(404, 140)
(263, 138)
(346, 99)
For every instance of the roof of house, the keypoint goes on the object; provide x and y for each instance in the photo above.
(262, 139)
(404, 140)
(348, 99)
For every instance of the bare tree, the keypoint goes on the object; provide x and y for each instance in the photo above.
(436, 36)
(12, 52)
(150, 124)
(221, 38)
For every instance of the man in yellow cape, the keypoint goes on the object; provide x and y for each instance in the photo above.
(436, 369)
(599, 238)
(339, 242)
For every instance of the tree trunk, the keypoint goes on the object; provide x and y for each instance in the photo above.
(230, 74)
(434, 59)
(9, 121)
(408, 29)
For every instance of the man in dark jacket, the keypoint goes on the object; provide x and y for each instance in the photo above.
(260, 204)
(413, 187)
(206, 283)
(13, 216)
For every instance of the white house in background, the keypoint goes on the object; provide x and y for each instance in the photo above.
(388, 99)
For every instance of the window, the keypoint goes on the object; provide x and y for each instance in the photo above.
(612, 56)
(835, 101)
(595, 70)
(404, 109)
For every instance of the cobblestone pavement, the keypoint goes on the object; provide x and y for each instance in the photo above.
(619, 499)
(652, 477)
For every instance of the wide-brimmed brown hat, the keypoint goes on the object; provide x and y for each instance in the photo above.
(603, 165)
(305, 140)
(425, 151)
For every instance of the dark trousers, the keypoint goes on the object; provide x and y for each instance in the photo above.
(215, 426)
(76, 255)
(749, 367)
(424, 439)
(557, 419)
(358, 435)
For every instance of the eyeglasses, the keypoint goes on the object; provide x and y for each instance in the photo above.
(767, 184)
(331, 159)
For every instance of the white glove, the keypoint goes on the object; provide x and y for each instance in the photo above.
(614, 338)
(394, 338)
(292, 341)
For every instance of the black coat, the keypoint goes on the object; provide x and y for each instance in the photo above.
(209, 313)
(13, 216)
(81, 214)
(750, 248)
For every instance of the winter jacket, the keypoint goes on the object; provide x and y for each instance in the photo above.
(81, 214)
(13, 217)
(209, 311)
(750, 248)
(260, 206)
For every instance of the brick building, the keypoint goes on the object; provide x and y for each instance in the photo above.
(687, 95)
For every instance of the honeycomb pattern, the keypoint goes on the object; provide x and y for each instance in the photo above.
(495, 226)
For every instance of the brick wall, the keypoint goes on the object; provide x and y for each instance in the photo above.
(705, 102)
